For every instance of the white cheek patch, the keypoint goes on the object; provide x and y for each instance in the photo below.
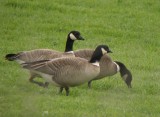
(118, 68)
(72, 36)
(125, 77)
(103, 51)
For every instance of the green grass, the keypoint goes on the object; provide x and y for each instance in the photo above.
(130, 28)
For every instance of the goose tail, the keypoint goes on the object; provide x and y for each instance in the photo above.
(11, 57)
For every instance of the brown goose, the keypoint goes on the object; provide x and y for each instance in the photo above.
(108, 67)
(45, 54)
(69, 71)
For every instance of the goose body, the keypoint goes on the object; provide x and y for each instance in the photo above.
(34, 55)
(45, 54)
(108, 67)
(69, 71)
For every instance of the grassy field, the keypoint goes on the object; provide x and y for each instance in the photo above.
(131, 28)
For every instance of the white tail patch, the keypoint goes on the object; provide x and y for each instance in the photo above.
(118, 68)
(72, 36)
(96, 63)
(103, 51)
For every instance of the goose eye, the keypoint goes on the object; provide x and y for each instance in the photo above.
(77, 34)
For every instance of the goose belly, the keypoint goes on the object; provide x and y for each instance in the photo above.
(75, 78)
(48, 78)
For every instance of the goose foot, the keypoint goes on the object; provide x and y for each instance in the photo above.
(45, 85)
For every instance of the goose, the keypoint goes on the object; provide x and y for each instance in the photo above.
(68, 72)
(108, 67)
(45, 54)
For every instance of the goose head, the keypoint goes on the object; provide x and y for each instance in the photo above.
(75, 35)
(72, 36)
(99, 52)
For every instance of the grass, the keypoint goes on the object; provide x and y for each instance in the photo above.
(130, 28)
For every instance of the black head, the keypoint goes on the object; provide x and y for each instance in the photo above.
(103, 49)
(128, 80)
(99, 52)
(127, 77)
(75, 35)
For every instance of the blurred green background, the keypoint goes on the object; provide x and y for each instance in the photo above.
(130, 28)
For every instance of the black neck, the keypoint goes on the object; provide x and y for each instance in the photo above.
(123, 68)
(69, 45)
(96, 56)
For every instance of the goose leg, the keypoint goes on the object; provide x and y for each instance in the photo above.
(32, 76)
(89, 84)
(35, 82)
(67, 91)
(60, 90)
(46, 84)
(129, 85)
